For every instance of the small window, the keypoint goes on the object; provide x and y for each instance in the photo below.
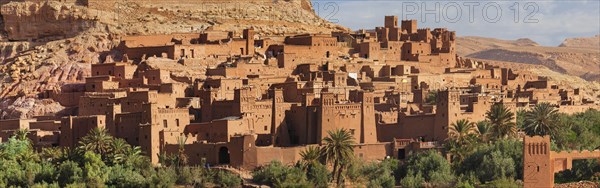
(177, 122)
(165, 123)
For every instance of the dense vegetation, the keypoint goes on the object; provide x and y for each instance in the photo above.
(99, 161)
(493, 145)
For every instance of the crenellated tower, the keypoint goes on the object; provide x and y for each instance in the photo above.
(368, 128)
(447, 112)
(537, 167)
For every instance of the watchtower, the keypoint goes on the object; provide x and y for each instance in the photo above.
(537, 171)
(410, 26)
(391, 22)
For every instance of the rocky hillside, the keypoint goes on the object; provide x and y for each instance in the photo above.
(576, 59)
(48, 44)
(584, 42)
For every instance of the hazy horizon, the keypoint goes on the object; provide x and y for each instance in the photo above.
(547, 22)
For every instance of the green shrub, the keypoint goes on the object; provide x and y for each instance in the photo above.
(69, 172)
(75, 185)
(380, 174)
(581, 170)
(188, 175)
(412, 180)
(226, 179)
(386, 180)
(464, 184)
(163, 178)
(45, 185)
(47, 173)
(94, 170)
(432, 167)
(497, 166)
(278, 175)
(502, 182)
(318, 175)
(503, 158)
(121, 176)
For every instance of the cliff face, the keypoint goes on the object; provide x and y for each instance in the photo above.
(51, 20)
(54, 43)
(34, 21)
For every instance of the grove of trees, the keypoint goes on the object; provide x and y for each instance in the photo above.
(100, 161)
(479, 154)
(482, 154)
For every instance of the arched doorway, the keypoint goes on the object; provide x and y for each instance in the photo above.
(223, 155)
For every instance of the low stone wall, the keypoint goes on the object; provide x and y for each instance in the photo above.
(291, 155)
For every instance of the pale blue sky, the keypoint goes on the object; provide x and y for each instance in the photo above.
(547, 22)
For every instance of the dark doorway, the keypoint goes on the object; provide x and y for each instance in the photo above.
(401, 154)
(224, 155)
(327, 54)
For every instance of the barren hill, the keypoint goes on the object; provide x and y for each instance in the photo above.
(584, 42)
(577, 58)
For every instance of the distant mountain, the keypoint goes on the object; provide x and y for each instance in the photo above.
(583, 42)
(577, 57)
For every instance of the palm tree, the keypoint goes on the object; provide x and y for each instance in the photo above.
(21, 134)
(97, 141)
(338, 149)
(461, 134)
(541, 120)
(182, 157)
(119, 147)
(52, 154)
(310, 156)
(133, 154)
(483, 127)
(501, 122)
(461, 131)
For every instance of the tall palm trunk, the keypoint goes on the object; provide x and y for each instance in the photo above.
(339, 175)
(335, 166)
